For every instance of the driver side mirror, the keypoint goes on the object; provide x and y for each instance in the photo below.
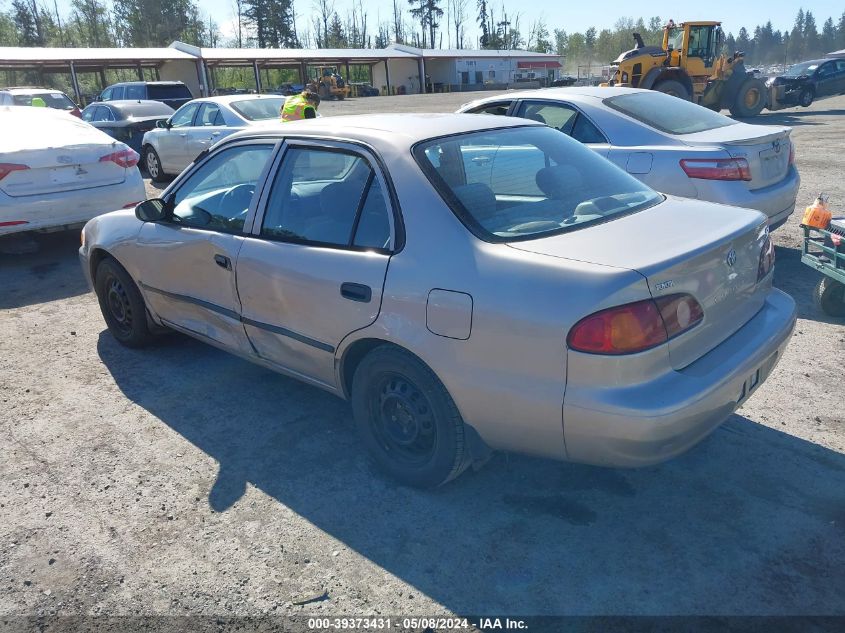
(153, 210)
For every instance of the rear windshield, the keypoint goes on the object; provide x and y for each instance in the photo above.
(258, 109)
(56, 100)
(528, 182)
(667, 113)
(175, 91)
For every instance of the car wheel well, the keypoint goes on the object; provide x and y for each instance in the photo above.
(97, 255)
(353, 356)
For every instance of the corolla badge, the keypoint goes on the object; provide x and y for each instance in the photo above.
(730, 259)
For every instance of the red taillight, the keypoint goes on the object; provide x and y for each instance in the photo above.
(76, 112)
(635, 327)
(131, 205)
(14, 223)
(767, 258)
(8, 168)
(716, 168)
(125, 158)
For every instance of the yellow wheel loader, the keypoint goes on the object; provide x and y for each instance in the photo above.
(689, 66)
(329, 84)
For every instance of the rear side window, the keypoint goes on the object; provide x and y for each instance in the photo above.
(668, 114)
(174, 91)
(327, 197)
(209, 115)
(499, 109)
(259, 109)
(134, 92)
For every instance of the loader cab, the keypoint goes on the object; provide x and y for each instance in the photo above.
(693, 45)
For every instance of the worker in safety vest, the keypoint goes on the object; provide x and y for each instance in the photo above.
(301, 106)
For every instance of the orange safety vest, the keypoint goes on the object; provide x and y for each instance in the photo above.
(295, 108)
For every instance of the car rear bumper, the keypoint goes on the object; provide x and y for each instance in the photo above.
(776, 201)
(638, 425)
(67, 208)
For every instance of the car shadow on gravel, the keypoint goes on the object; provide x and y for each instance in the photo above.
(793, 118)
(799, 281)
(749, 522)
(51, 272)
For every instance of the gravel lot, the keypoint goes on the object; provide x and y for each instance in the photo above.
(181, 480)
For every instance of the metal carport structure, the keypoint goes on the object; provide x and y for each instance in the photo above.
(78, 60)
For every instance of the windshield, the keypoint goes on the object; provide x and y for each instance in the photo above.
(57, 100)
(667, 113)
(258, 109)
(168, 91)
(528, 182)
(801, 69)
(676, 38)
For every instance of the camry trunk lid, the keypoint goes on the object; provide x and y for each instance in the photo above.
(765, 147)
(58, 153)
(709, 251)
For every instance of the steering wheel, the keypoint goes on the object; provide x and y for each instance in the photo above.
(237, 196)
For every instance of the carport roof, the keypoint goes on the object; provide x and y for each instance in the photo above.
(12, 57)
(297, 55)
(837, 53)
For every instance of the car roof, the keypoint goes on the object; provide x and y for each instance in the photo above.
(227, 99)
(148, 83)
(564, 92)
(384, 130)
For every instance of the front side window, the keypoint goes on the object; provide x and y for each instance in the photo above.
(106, 94)
(668, 114)
(88, 113)
(539, 183)
(184, 116)
(327, 197)
(117, 93)
(103, 114)
(218, 194)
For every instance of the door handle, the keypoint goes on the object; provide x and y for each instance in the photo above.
(223, 261)
(215, 133)
(356, 292)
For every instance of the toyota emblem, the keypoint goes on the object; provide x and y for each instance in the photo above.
(730, 260)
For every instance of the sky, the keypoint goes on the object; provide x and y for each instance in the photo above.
(572, 16)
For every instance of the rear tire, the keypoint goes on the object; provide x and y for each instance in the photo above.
(830, 297)
(153, 163)
(750, 98)
(806, 98)
(673, 88)
(122, 305)
(407, 420)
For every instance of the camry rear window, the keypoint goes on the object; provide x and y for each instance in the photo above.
(55, 100)
(667, 113)
(528, 182)
(258, 109)
(168, 92)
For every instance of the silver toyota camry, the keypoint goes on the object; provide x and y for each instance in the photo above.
(672, 145)
(469, 283)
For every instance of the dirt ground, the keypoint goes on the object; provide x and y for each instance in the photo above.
(181, 480)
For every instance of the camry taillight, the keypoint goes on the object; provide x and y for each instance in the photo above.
(767, 258)
(8, 168)
(716, 168)
(635, 327)
(125, 158)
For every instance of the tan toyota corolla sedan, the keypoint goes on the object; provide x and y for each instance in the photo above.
(469, 282)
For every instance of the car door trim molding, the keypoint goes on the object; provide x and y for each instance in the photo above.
(213, 307)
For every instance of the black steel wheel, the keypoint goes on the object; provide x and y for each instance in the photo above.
(121, 304)
(805, 99)
(830, 297)
(407, 420)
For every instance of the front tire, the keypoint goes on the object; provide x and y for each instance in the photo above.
(122, 305)
(830, 297)
(750, 98)
(673, 88)
(806, 98)
(407, 420)
(153, 163)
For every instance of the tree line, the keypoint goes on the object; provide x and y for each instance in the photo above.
(421, 23)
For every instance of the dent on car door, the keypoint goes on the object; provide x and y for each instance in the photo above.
(314, 269)
(187, 267)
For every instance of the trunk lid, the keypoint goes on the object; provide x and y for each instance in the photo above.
(709, 251)
(63, 154)
(765, 147)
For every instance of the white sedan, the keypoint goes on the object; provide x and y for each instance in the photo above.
(56, 171)
(197, 125)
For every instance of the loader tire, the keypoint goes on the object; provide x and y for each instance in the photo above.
(750, 98)
(673, 88)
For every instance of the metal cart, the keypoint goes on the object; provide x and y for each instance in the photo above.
(824, 250)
